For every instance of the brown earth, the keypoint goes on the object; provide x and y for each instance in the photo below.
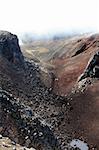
(61, 58)
(70, 109)
(69, 63)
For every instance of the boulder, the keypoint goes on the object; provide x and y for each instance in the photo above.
(9, 47)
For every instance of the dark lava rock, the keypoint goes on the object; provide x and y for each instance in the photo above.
(22, 127)
(80, 49)
(92, 69)
(9, 47)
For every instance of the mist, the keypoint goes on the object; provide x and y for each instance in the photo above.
(47, 17)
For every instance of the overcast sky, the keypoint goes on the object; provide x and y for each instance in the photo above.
(44, 16)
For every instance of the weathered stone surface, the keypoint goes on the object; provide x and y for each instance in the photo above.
(92, 69)
(9, 47)
(31, 131)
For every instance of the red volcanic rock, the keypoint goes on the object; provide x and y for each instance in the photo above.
(68, 68)
(83, 120)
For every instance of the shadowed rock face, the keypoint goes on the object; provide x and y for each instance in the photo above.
(80, 49)
(9, 47)
(92, 69)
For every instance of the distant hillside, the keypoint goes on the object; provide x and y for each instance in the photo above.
(49, 95)
(63, 56)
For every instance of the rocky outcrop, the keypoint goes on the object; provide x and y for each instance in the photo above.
(92, 69)
(9, 47)
(81, 48)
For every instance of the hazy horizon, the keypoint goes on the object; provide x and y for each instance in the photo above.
(42, 17)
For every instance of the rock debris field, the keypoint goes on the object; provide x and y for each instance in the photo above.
(33, 116)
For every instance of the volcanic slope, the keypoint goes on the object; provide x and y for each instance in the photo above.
(36, 116)
(68, 63)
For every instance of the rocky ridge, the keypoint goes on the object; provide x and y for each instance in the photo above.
(30, 113)
(9, 48)
(33, 116)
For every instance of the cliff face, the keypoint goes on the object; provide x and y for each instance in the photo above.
(9, 47)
